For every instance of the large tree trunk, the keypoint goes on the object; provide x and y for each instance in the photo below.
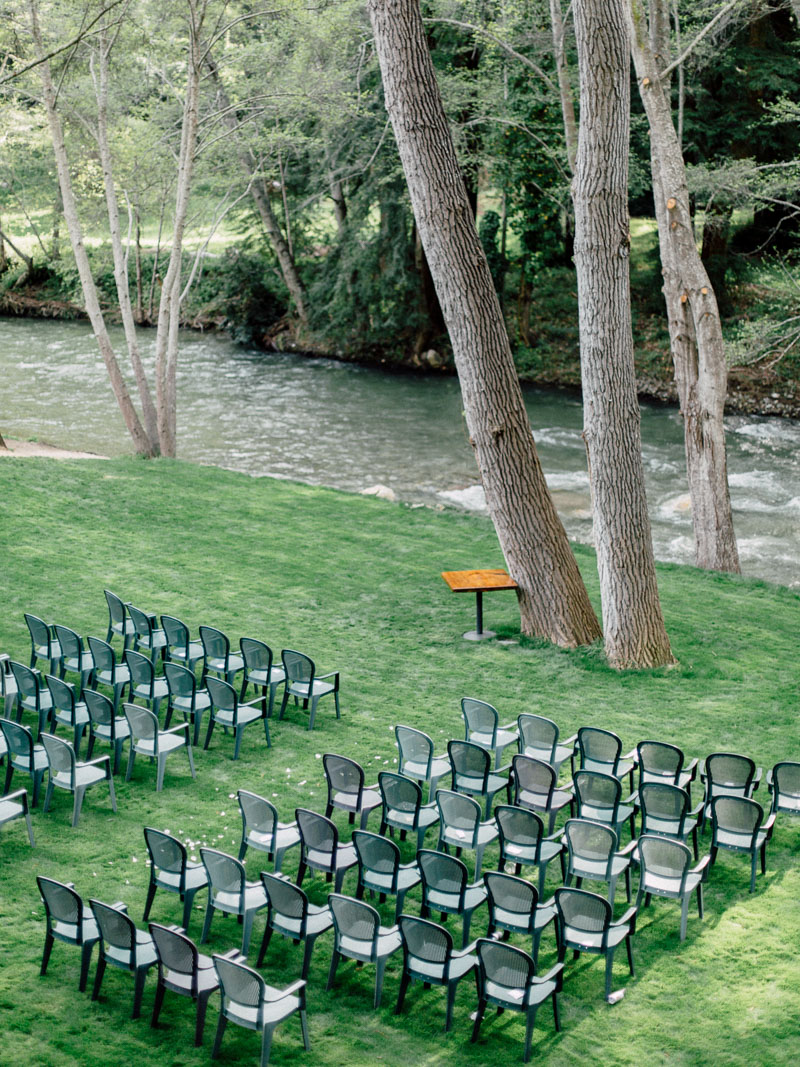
(91, 300)
(632, 621)
(698, 351)
(552, 597)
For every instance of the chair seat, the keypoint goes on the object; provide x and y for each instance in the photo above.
(434, 972)
(502, 738)
(589, 811)
(245, 715)
(463, 839)
(196, 878)
(667, 827)
(533, 994)
(442, 900)
(69, 931)
(546, 754)
(53, 651)
(187, 655)
(345, 857)
(85, 776)
(528, 799)
(202, 701)
(319, 920)
(9, 809)
(79, 664)
(317, 689)
(144, 955)
(275, 676)
(669, 886)
(23, 763)
(474, 784)
(428, 815)
(594, 941)
(254, 897)
(81, 716)
(513, 920)
(156, 639)
(158, 692)
(527, 853)
(788, 803)
(286, 836)
(388, 941)
(121, 729)
(45, 701)
(370, 799)
(274, 1011)
(439, 767)
(119, 676)
(407, 877)
(739, 842)
(166, 743)
(182, 983)
(595, 870)
(217, 663)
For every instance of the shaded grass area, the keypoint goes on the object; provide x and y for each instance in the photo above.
(355, 583)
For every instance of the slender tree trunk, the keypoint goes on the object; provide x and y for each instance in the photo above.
(3, 257)
(633, 625)
(564, 84)
(2, 443)
(552, 597)
(139, 280)
(58, 211)
(698, 350)
(118, 254)
(93, 310)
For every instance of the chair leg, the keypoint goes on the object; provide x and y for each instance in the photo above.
(284, 702)
(151, 895)
(191, 759)
(700, 900)
(609, 965)
(265, 942)
(478, 1019)
(530, 1020)
(223, 1022)
(339, 879)
(48, 796)
(266, 731)
(159, 1000)
(629, 947)
(76, 807)
(247, 931)
(131, 758)
(304, 1029)
(556, 1020)
(207, 921)
(313, 715)
(451, 1000)
(30, 827)
(200, 1021)
(401, 994)
(86, 957)
(380, 972)
(753, 870)
(48, 948)
(301, 870)
(465, 935)
(309, 948)
(188, 903)
(272, 691)
(162, 763)
(684, 915)
(266, 1044)
(612, 891)
(332, 971)
(98, 978)
(138, 991)
(37, 783)
(209, 731)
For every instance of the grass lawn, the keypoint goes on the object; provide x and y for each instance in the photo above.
(355, 583)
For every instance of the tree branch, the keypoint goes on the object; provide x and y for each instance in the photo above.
(501, 44)
(723, 11)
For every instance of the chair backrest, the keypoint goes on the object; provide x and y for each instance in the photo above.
(60, 759)
(223, 696)
(663, 860)
(225, 873)
(460, 814)
(786, 781)
(510, 897)
(538, 736)
(661, 803)
(442, 873)
(27, 684)
(175, 631)
(343, 776)
(400, 794)
(100, 708)
(143, 672)
(298, 667)
(176, 952)
(117, 929)
(216, 645)
(504, 972)
(256, 655)
(354, 920)
(598, 791)
(104, 656)
(599, 747)
(142, 622)
(414, 747)
(376, 854)
(241, 988)
(728, 770)
(61, 903)
(535, 776)
(71, 643)
(286, 899)
(518, 826)
(181, 682)
(736, 815)
(143, 723)
(258, 814)
(116, 609)
(469, 761)
(167, 853)
(316, 832)
(590, 842)
(580, 913)
(62, 694)
(426, 945)
(19, 739)
(39, 631)
(479, 717)
(659, 760)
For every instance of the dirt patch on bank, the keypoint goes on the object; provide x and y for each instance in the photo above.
(21, 449)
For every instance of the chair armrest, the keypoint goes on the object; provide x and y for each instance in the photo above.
(631, 845)
(5, 662)
(699, 809)
(251, 703)
(569, 740)
(692, 768)
(628, 917)
(768, 825)
(374, 787)
(633, 799)
(232, 954)
(19, 794)
(181, 728)
(331, 674)
(702, 867)
(509, 726)
(555, 974)
(557, 836)
(95, 762)
(461, 953)
(502, 770)
(120, 905)
(631, 755)
(298, 987)
(757, 779)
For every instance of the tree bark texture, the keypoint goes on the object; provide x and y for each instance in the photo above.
(140, 439)
(698, 351)
(552, 597)
(633, 625)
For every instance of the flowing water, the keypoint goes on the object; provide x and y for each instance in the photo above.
(337, 424)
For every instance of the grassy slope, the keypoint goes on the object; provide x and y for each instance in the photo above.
(355, 582)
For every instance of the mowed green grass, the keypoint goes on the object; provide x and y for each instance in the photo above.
(355, 583)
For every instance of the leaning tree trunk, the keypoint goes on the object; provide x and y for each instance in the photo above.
(632, 621)
(552, 597)
(91, 300)
(698, 350)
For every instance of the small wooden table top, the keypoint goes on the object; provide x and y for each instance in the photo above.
(478, 581)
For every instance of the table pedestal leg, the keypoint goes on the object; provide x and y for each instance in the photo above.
(479, 634)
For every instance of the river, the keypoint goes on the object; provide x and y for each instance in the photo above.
(351, 427)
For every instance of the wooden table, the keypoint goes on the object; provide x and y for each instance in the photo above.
(478, 582)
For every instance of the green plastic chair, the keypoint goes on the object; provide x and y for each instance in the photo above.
(248, 1001)
(74, 657)
(185, 696)
(182, 970)
(32, 695)
(523, 842)
(659, 761)
(23, 755)
(219, 660)
(107, 670)
(358, 935)
(229, 712)
(738, 825)
(472, 772)
(231, 893)
(601, 750)
(539, 738)
(346, 789)
(666, 810)
(429, 957)
(514, 907)
(8, 686)
(119, 623)
(15, 806)
(291, 915)
(44, 643)
(665, 872)
(304, 684)
(145, 684)
(380, 869)
(105, 725)
(122, 946)
(417, 758)
(403, 809)
(482, 727)
(320, 849)
(180, 647)
(446, 889)
(147, 633)
(593, 854)
(507, 979)
(262, 830)
(460, 826)
(727, 774)
(147, 739)
(783, 782)
(67, 772)
(598, 797)
(584, 924)
(259, 671)
(67, 710)
(68, 921)
(171, 870)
